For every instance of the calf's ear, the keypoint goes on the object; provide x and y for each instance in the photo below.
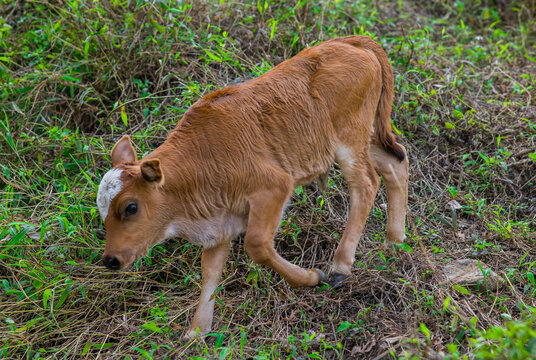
(151, 170)
(123, 152)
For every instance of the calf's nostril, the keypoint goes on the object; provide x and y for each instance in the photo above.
(111, 262)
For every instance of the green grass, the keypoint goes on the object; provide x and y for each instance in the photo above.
(75, 77)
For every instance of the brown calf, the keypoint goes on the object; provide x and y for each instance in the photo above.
(233, 160)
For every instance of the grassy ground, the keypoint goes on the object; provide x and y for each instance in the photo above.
(77, 74)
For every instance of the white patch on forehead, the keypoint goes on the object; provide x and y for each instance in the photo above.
(109, 187)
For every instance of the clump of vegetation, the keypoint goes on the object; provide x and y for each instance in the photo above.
(77, 74)
(515, 340)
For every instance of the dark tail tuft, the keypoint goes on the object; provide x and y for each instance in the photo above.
(392, 146)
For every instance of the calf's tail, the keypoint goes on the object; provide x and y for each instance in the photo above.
(382, 123)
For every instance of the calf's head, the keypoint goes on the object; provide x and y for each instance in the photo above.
(130, 202)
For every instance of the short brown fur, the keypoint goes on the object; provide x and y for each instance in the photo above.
(233, 160)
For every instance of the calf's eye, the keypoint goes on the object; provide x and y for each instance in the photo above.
(131, 209)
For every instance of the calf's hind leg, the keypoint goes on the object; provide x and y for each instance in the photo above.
(395, 177)
(363, 184)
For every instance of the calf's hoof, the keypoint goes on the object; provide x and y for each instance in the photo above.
(194, 333)
(189, 335)
(336, 280)
(322, 278)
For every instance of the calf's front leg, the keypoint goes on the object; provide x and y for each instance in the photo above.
(265, 209)
(212, 262)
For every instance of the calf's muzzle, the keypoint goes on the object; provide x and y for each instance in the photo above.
(111, 262)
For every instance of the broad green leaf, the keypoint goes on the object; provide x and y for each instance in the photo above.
(446, 303)
(86, 348)
(252, 275)
(344, 326)
(63, 296)
(425, 330)
(29, 324)
(152, 326)
(86, 46)
(16, 238)
(70, 78)
(405, 247)
(124, 116)
(461, 289)
(213, 56)
(530, 276)
(457, 114)
(103, 346)
(46, 296)
(224, 353)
